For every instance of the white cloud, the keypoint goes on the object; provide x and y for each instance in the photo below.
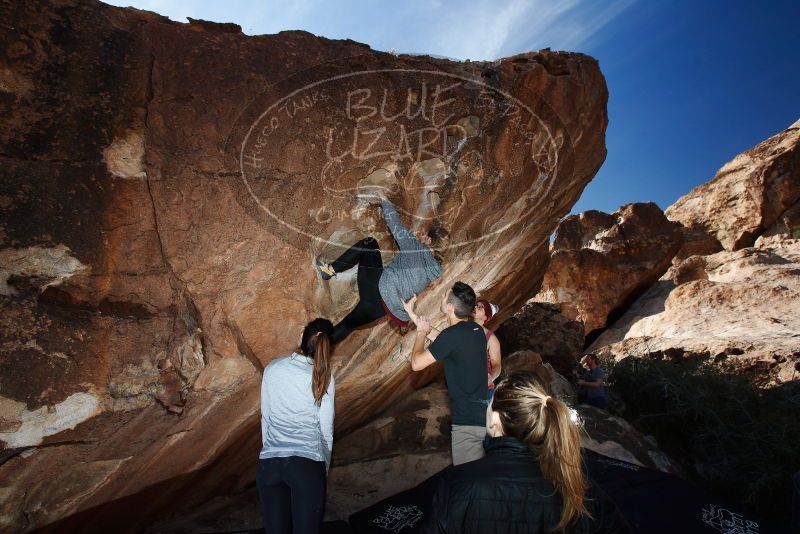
(486, 30)
(478, 30)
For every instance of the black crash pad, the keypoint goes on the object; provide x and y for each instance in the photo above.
(652, 502)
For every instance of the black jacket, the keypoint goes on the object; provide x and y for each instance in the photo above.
(506, 492)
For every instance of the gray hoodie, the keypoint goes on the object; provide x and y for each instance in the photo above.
(412, 269)
(291, 422)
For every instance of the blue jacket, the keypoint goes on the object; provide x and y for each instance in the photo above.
(291, 422)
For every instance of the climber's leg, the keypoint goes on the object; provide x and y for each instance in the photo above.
(364, 253)
(370, 268)
(365, 312)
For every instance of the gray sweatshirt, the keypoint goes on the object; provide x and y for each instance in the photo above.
(291, 422)
(412, 269)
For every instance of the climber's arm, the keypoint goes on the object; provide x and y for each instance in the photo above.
(401, 234)
(420, 357)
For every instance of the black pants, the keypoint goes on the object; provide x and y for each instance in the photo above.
(292, 493)
(367, 256)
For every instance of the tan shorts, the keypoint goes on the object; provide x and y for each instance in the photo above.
(467, 443)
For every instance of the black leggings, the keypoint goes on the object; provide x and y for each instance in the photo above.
(292, 494)
(367, 256)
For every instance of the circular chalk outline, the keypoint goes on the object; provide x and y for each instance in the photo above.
(550, 181)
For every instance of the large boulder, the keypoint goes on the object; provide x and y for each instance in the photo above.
(600, 261)
(612, 436)
(394, 452)
(736, 306)
(165, 189)
(747, 196)
(531, 362)
(541, 328)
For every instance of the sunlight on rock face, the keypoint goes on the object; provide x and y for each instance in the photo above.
(45, 267)
(28, 428)
(125, 156)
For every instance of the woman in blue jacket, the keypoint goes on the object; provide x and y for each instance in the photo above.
(297, 434)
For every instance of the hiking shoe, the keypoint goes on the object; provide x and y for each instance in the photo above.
(325, 270)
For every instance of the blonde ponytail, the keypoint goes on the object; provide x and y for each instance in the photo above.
(543, 422)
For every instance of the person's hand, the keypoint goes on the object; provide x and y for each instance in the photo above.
(423, 325)
(410, 304)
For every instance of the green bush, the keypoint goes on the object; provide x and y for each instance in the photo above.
(744, 442)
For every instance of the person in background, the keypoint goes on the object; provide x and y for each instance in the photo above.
(461, 348)
(593, 383)
(297, 395)
(531, 479)
(484, 311)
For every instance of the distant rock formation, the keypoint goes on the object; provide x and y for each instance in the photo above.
(716, 279)
(757, 190)
(165, 189)
(736, 305)
(599, 261)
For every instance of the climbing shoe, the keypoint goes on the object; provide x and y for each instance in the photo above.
(325, 270)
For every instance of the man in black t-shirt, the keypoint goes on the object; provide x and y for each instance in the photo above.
(461, 348)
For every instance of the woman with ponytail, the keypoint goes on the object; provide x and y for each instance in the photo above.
(531, 479)
(297, 434)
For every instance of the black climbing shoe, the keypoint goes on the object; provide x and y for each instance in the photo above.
(325, 270)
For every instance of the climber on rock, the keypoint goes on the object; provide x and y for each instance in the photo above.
(461, 348)
(382, 290)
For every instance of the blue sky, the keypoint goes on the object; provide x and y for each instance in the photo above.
(691, 83)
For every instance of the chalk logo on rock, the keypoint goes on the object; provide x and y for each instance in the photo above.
(728, 522)
(435, 143)
(397, 518)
